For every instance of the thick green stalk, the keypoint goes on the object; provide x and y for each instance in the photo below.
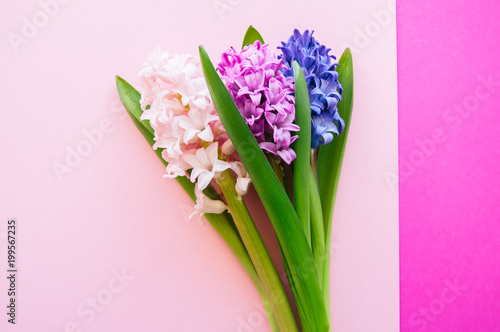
(258, 254)
(276, 166)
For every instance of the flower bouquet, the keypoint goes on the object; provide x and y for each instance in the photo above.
(277, 121)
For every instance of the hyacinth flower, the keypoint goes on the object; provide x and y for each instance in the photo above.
(175, 102)
(322, 81)
(263, 95)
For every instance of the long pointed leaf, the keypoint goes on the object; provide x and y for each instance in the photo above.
(330, 160)
(302, 147)
(279, 208)
(318, 237)
(251, 36)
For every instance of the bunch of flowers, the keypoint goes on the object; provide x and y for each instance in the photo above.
(219, 130)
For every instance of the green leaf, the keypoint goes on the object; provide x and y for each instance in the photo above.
(300, 310)
(130, 98)
(330, 160)
(251, 36)
(222, 223)
(317, 226)
(279, 208)
(302, 147)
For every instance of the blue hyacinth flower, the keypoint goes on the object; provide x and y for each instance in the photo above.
(322, 81)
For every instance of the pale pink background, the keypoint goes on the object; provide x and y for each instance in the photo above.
(114, 211)
(449, 198)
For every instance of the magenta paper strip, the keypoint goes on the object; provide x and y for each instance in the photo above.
(449, 97)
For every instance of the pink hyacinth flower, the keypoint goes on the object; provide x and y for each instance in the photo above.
(263, 95)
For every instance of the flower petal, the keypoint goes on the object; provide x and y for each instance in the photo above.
(204, 179)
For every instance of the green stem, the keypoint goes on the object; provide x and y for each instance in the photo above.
(276, 166)
(314, 164)
(288, 175)
(258, 254)
(317, 226)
